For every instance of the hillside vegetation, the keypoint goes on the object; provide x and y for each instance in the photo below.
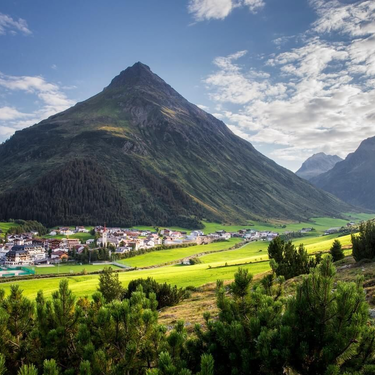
(323, 326)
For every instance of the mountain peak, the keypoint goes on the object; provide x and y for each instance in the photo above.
(317, 164)
(353, 179)
(138, 74)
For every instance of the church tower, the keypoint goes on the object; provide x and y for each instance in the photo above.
(104, 237)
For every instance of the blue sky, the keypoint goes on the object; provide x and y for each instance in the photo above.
(293, 77)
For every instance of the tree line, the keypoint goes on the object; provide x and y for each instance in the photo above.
(81, 192)
(25, 226)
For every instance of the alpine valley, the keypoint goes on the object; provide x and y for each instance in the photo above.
(139, 153)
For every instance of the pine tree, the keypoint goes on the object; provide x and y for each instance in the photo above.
(336, 251)
(323, 326)
(207, 365)
(364, 242)
(110, 285)
(28, 370)
(50, 367)
(287, 261)
(3, 369)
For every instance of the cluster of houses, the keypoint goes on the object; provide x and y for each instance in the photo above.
(66, 231)
(26, 249)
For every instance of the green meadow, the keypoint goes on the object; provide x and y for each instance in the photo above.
(67, 268)
(179, 275)
(219, 265)
(5, 226)
(83, 237)
(165, 256)
(257, 251)
(320, 224)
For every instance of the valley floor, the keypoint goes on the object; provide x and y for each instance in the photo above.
(218, 265)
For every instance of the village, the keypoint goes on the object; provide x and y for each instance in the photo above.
(27, 249)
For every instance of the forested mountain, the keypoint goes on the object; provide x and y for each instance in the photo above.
(353, 180)
(139, 153)
(317, 164)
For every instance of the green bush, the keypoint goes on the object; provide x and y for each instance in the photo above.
(287, 261)
(364, 242)
(166, 295)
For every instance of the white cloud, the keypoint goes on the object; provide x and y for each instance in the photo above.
(219, 9)
(10, 113)
(12, 26)
(315, 97)
(204, 107)
(254, 5)
(50, 95)
(6, 131)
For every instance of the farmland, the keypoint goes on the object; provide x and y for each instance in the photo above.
(220, 263)
(179, 275)
(212, 268)
(68, 268)
(165, 256)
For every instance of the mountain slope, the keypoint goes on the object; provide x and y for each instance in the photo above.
(317, 164)
(353, 180)
(146, 155)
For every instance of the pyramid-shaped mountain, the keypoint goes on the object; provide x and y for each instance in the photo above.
(139, 153)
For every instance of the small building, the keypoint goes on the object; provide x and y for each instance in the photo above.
(17, 257)
(81, 229)
(71, 242)
(332, 231)
(36, 252)
(59, 255)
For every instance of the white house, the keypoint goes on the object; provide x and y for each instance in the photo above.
(123, 249)
(82, 230)
(225, 236)
(36, 252)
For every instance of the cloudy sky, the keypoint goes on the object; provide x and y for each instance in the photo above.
(293, 77)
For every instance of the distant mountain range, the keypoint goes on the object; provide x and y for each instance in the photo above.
(139, 153)
(317, 164)
(353, 180)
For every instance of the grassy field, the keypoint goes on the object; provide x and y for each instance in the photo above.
(321, 224)
(83, 237)
(197, 275)
(165, 256)
(4, 226)
(67, 268)
(257, 251)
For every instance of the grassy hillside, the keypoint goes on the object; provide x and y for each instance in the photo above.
(320, 224)
(5, 226)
